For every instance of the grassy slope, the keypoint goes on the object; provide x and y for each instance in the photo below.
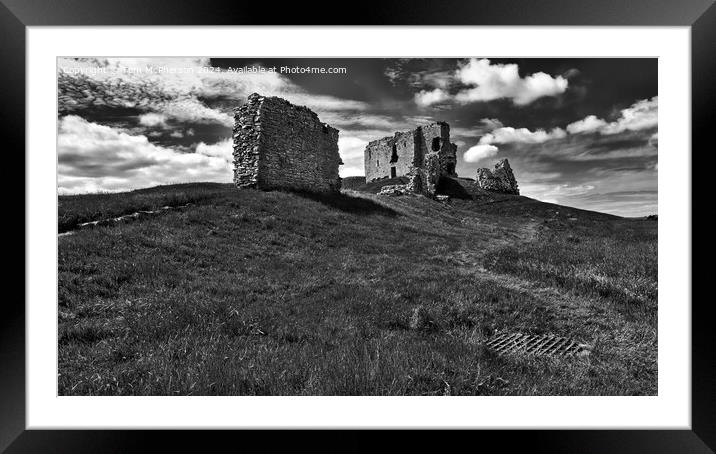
(248, 292)
(352, 182)
(76, 209)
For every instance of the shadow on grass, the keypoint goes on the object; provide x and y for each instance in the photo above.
(354, 205)
(451, 187)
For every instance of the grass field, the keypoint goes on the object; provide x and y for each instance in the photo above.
(274, 293)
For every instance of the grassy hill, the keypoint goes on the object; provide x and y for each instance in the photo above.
(250, 292)
(352, 182)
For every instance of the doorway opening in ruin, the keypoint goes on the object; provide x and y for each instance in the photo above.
(436, 144)
(392, 172)
(394, 156)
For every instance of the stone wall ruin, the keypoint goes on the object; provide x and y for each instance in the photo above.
(278, 145)
(501, 179)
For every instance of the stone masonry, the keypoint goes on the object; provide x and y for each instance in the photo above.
(423, 154)
(278, 145)
(501, 179)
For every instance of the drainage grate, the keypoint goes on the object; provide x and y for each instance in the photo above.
(536, 345)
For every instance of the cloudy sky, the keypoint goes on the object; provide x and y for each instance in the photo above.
(579, 132)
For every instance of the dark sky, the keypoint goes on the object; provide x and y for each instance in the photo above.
(580, 132)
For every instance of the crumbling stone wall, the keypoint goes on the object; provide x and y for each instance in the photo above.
(423, 154)
(278, 145)
(435, 137)
(501, 179)
(390, 157)
(431, 172)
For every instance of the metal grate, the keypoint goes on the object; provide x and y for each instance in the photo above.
(536, 345)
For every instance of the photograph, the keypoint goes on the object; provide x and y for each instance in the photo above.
(467, 226)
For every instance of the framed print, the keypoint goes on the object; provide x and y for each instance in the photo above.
(241, 218)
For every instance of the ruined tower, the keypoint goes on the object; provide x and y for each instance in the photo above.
(422, 154)
(397, 155)
(278, 145)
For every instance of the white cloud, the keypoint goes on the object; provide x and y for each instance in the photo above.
(153, 120)
(491, 123)
(485, 126)
(639, 116)
(318, 103)
(437, 79)
(589, 124)
(485, 148)
(488, 82)
(178, 95)
(428, 98)
(479, 152)
(643, 114)
(417, 120)
(223, 149)
(351, 147)
(521, 135)
(351, 150)
(192, 110)
(94, 157)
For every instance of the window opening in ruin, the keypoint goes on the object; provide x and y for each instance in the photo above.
(377, 162)
(325, 128)
(436, 144)
(451, 168)
(392, 172)
(394, 156)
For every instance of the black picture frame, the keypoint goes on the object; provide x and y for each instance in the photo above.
(16, 15)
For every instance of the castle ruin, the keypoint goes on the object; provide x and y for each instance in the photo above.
(423, 154)
(278, 145)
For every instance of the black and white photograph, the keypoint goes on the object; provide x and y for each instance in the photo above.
(357, 226)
